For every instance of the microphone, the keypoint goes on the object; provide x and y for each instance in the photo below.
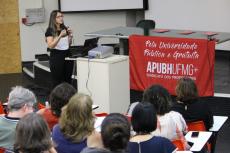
(63, 27)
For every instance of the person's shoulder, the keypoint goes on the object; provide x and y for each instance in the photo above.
(174, 113)
(9, 120)
(56, 129)
(164, 141)
(94, 150)
(199, 104)
(131, 108)
(178, 104)
(49, 32)
(160, 138)
(41, 111)
(94, 140)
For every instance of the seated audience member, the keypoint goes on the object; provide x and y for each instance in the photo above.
(115, 133)
(34, 137)
(189, 104)
(58, 98)
(75, 130)
(144, 121)
(20, 103)
(171, 124)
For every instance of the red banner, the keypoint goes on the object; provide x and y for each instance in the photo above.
(164, 60)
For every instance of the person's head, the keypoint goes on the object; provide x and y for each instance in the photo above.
(56, 19)
(115, 132)
(60, 96)
(32, 134)
(186, 89)
(144, 118)
(21, 100)
(77, 119)
(159, 97)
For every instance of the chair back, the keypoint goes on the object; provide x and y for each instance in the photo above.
(146, 24)
(2, 150)
(179, 144)
(196, 126)
(101, 114)
(41, 106)
(1, 109)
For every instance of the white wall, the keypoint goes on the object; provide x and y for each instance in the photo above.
(206, 15)
(32, 37)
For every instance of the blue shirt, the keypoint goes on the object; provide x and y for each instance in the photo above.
(64, 145)
(154, 145)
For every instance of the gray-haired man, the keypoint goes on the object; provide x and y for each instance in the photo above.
(20, 103)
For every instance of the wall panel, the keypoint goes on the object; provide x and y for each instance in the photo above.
(10, 53)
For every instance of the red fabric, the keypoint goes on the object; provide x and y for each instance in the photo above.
(101, 114)
(1, 108)
(40, 106)
(2, 150)
(49, 117)
(164, 60)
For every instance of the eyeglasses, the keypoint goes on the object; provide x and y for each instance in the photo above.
(60, 16)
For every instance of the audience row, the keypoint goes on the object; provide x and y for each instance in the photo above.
(67, 125)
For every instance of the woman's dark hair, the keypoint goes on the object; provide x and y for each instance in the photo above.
(115, 131)
(32, 134)
(144, 118)
(52, 21)
(186, 90)
(60, 96)
(159, 97)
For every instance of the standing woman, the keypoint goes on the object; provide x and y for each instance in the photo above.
(59, 38)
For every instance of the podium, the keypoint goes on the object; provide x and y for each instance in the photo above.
(106, 81)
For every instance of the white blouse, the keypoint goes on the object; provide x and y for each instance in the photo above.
(63, 44)
(171, 125)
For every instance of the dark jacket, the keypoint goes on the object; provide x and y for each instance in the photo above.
(195, 110)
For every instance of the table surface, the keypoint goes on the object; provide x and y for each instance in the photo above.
(125, 32)
(198, 142)
(97, 124)
(218, 122)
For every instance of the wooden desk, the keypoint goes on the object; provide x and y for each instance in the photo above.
(198, 142)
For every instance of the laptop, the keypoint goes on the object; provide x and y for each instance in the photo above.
(81, 51)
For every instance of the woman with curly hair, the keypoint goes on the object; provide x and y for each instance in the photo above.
(75, 130)
(171, 124)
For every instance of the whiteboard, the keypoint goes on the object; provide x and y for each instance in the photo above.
(100, 5)
(204, 15)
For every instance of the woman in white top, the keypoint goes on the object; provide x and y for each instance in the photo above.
(171, 124)
(59, 38)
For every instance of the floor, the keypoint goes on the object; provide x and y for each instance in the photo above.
(218, 105)
(222, 72)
